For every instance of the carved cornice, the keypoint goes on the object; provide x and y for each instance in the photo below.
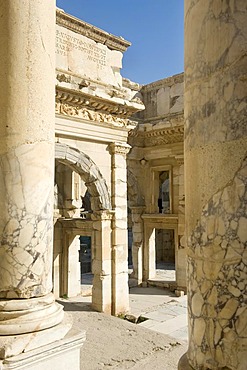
(123, 109)
(76, 25)
(167, 129)
(169, 135)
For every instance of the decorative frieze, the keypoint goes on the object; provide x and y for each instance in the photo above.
(96, 109)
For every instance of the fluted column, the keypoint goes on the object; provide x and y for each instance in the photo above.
(27, 29)
(215, 182)
(120, 289)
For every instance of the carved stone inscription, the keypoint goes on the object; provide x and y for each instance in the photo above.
(66, 43)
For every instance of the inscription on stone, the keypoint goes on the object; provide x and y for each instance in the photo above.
(66, 43)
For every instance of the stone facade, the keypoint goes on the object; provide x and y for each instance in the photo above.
(156, 154)
(119, 166)
(93, 110)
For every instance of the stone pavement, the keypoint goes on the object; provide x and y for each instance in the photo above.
(113, 343)
(163, 310)
(165, 313)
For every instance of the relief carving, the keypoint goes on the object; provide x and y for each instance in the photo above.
(91, 115)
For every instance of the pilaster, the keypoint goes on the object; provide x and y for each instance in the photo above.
(101, 263)
(120, 290)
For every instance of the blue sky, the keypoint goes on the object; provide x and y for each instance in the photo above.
(154, 27)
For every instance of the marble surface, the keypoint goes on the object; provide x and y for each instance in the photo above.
(215, 182)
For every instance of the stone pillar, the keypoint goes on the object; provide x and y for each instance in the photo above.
(120, 290)
(137, 246)
(181, 252)
(149, 262)
(27, 166)
(215, 182)
(101, 263)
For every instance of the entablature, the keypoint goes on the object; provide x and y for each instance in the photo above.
(83, 28)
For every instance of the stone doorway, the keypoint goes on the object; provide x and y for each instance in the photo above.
(160, 250)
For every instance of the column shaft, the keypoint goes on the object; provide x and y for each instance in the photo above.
(216, 181)
(27, 33)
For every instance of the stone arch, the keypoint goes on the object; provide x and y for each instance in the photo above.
(89, 172)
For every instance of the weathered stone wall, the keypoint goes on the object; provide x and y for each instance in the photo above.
(157, 146)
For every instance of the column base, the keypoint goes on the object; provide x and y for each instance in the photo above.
(14, 345)
(183, 363)
(63, 354)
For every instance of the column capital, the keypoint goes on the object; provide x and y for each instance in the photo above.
(102, 215)
(119, 148)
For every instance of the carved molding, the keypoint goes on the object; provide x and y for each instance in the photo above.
(90, 115)
(76, 25)
(167, 135)
(79, 100)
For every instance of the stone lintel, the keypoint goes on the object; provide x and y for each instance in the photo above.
(164, 220)
(83, 28)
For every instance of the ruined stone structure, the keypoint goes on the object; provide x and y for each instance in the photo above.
(93, 109)
(155, 166)
(120, 167)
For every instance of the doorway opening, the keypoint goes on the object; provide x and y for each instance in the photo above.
(85, 259)
(164, 192)
(165, 255)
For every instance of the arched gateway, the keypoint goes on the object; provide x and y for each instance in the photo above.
(89, 172)
(98, 227)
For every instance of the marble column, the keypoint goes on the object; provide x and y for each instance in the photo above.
(27, 29)
(120, 289)
(216, 182)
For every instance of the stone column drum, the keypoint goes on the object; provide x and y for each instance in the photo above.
(215, 182)
(120, 290)
(27, 33)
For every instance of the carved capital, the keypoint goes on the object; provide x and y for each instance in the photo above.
(119, 148)
(102, 215)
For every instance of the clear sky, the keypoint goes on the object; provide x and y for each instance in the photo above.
(154, 27)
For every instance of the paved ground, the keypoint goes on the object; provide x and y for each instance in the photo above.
(165, 312)
(113, 343)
